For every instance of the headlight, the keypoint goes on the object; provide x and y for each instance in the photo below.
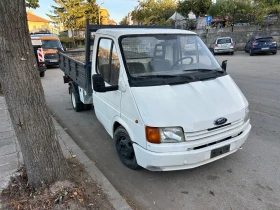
(164, 135)
(247, 116)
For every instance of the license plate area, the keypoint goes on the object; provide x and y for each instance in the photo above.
(265, 48)
(53, 61)
(220, 151)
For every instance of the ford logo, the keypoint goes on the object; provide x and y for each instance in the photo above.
(220, 121)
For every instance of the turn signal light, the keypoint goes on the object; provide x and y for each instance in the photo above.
(152, 135)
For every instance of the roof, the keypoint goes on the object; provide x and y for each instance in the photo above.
(34, 18)
(112, 22)
(131, 31)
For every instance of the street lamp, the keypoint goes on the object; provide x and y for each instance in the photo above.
(99, 12)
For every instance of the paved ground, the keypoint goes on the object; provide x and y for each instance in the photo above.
(10, 156)
(248, 179)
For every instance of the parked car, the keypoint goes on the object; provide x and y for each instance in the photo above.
(223, 45)
(261, 44)
(51, 45)
(165, 112)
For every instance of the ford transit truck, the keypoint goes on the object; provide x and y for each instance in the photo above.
(166, 105)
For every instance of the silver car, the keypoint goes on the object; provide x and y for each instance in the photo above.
(223, 45)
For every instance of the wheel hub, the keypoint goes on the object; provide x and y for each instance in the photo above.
(126, 149)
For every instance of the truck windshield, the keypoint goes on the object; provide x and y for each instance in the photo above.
(51, 44)
(162, 55)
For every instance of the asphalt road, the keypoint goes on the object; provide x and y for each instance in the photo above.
(248, 179)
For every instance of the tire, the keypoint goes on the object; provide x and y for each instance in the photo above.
(274, 53)
(232, 53)
(77, 105)
(42, 74)
(251, 53)
(125, 149)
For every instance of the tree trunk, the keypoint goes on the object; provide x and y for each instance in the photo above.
(25, 98)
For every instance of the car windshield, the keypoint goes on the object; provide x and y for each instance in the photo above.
(51, 44)
(223, 41)
(166, 55)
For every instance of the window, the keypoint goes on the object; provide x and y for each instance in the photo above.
(223, 41)
(108, 64)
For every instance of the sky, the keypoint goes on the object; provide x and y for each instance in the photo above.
(116, 8)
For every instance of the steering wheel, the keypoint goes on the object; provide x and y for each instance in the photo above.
(184, 58)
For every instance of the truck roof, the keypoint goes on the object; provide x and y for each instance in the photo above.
(117, 32)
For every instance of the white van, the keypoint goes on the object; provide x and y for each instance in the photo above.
(169, 108)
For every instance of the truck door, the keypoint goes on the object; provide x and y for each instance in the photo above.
(107, 105)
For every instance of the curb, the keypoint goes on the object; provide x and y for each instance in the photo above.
(70, 148)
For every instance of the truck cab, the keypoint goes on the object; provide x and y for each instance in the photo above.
(166, 106)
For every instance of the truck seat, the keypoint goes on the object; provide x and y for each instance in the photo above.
(136, 68)
(160, 65)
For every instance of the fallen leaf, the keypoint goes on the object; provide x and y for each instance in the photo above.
(81, 200)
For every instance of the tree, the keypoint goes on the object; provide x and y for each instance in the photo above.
(198, 7)
(156, 12)
(32, 3)
(70, 13)
(25, 99)
(124, 21)
(91, 11)
(226, 8)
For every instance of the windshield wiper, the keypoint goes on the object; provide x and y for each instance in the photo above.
(206, 70)
(168, 76)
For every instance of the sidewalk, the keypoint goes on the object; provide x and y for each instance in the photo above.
(11, 158)
(10, 155)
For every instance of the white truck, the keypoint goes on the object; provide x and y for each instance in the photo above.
(166, 107)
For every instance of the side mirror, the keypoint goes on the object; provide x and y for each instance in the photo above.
(224, 65)
(99, 84)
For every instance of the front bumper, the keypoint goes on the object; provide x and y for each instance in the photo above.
(168, 161)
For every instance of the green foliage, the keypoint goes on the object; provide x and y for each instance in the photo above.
(151, 12)
(91, 11)
(32, 3)
(224, 8)
(73, 13)
(198, 7)
(124, 21)
(65, 39)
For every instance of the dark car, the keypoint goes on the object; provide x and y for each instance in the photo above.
(261, 44)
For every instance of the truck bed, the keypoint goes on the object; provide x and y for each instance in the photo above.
(72, 63)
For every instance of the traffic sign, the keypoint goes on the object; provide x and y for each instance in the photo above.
(208, 19)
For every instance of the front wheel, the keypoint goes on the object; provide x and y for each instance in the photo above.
(125, 149)
(42, 74)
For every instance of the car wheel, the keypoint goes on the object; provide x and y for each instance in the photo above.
(75, 99)
(232, 53)
(274, 53)
(125, 149)
(42, 74)
(251, 53)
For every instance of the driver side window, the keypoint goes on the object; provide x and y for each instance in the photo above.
(108, 64)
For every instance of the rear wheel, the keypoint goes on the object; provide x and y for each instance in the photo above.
(232, 53)
(42, 74)
(75, 99)
(251, 53)
(125, 149)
